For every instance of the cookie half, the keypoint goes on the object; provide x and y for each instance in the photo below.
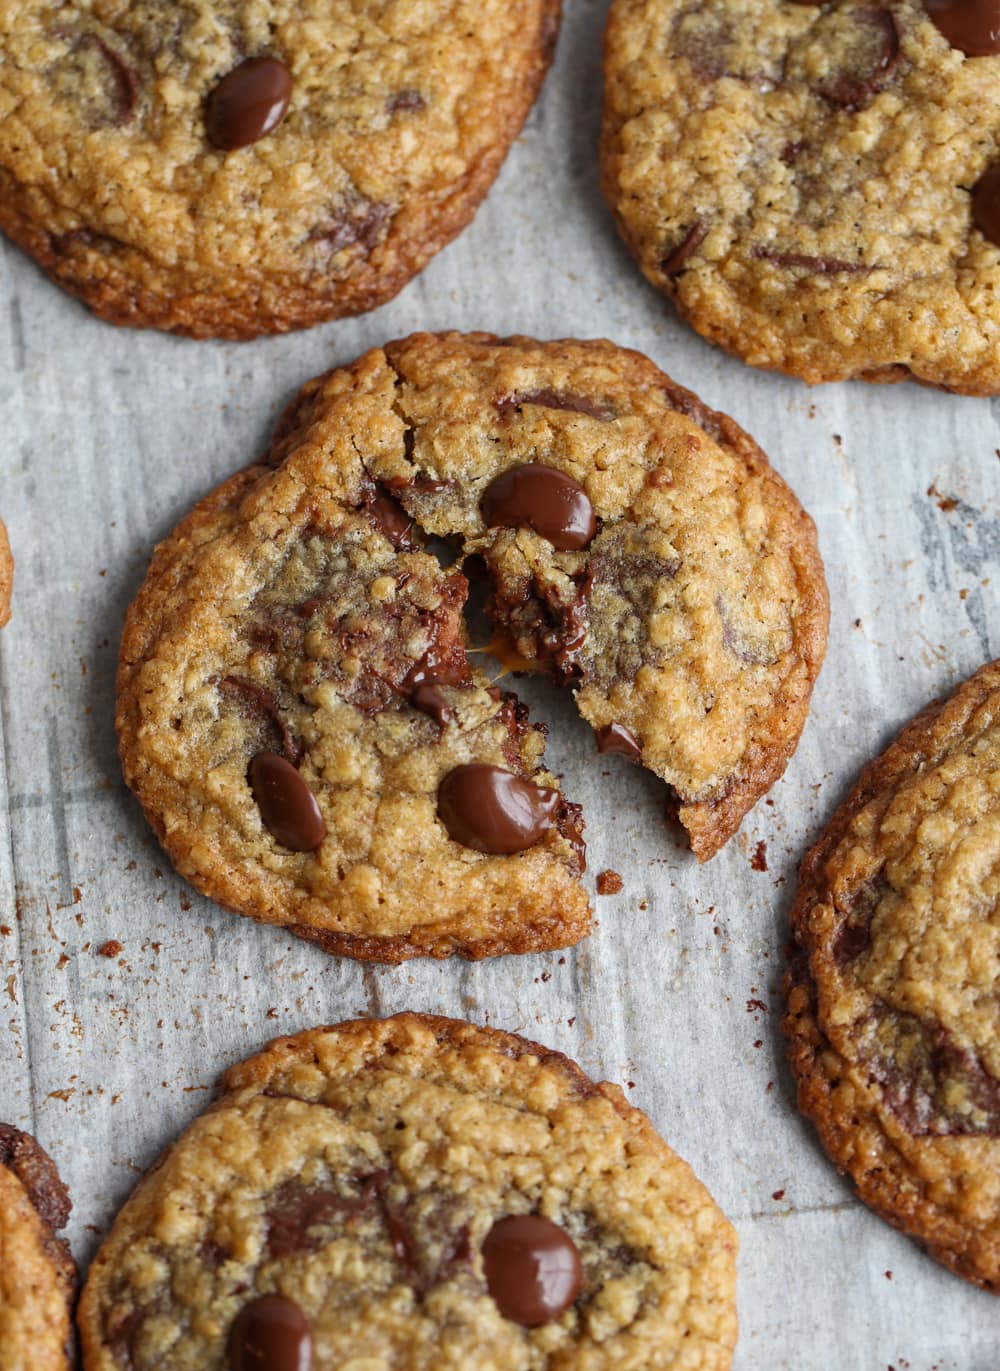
(6, 575)
(892, 1010)
(37, 1275)
(415, 1191)
(239, 168)
(639, 547)
(816, 186)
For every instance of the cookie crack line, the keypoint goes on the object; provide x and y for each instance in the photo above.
(606, 509)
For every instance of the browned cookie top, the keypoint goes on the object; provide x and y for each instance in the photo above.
(297, 614)
(37, 1276)
(814, 184)
(893, 1009)
(236, 167)
(6, 575)
(416, 1194)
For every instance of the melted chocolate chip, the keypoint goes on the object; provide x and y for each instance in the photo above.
(248, 103)
(409, 100)
(986, 205)
(430, 699)
(872, 62)
(296, 1210)
(542, 498)
(533, 1269)
(387, 514)
(492, 810)
(943, 1089)
(972, 26)
(261, 701)
(271, 1333)
(355, 221)
(287, 805)
(554, 399)
(673, 263)
(618, 738)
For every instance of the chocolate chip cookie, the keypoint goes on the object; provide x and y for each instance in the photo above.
(37, 1275)
(235, 167)
(6, 575)
(419, 1193)
(816, 186)
(297, 712)
(892, 1004)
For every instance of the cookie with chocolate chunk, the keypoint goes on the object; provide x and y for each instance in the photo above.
(815, 185)
(37, 1275)
(6, 575)
(414, 1192)
(230, 169)
(296, 709)
(892, 1005)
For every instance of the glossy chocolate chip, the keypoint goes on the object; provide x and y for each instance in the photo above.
(429, 699)
(986, 205)
(533, 1269)
(539, 497)
(972, 26)
(248, 103)
(270, 1334)
(618, 738)
(287, 805)
(492, 810)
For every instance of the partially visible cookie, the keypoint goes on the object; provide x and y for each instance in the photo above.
(816, 186)
(251, 166)
(419, 1193)
(37, 1275)
(298, 650)
(6, 575)
(893, 988)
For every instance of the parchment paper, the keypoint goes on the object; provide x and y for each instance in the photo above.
(110, 435)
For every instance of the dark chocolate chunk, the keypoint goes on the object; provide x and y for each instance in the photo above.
(554, 399)
(618, 738)
(673, 262)
(535, 496)
(871, 61)
(248, 103)
(296, 1209)
(818, 266)
(287, 805)
(429, 699)
(492, 810)
(972, 26)
(271, 1333)
(533, 1270)
(986, 204)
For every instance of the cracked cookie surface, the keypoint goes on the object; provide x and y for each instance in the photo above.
(892, 1010)
(799, 179)
(296, 612)
(6, 575)
(37, 1275)
(358, 1170)
(398, 119)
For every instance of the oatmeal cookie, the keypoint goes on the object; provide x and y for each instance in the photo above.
(816, 186)
(37, 1275)
(416, 1194)
(296, 650)
(892, 1008)
(6, 575)
(229, 168)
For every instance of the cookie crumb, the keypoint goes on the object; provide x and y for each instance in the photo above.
(759, 859)
(112, 948)
(777, 1195)
(609, 883)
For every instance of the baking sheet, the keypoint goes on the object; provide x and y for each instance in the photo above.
(109, 436)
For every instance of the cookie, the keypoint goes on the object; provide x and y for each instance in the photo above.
(297, 650)
(249, 166)
(892, 1010)
(815, 186)
(37, 1275)
(6, 575)
(414, 1192)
